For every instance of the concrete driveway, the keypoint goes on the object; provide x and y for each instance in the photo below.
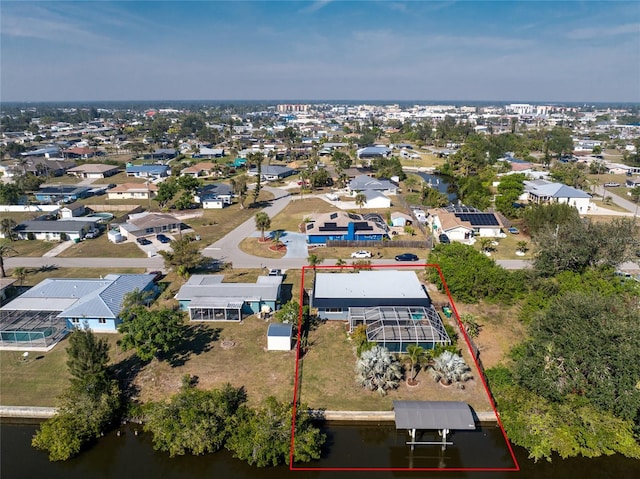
(296, 244)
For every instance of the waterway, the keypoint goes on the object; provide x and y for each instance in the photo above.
(440, 183)
(130, 456)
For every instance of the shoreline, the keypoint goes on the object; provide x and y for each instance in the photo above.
(36, 412)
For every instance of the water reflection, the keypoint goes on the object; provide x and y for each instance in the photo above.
(380, 446)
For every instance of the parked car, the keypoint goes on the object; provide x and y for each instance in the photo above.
(162, 238)
(406, 257)
(444, 239)
(157, 275)
(92, 234)
(143, 241)
(611, 184)
(361, 254)
(275, 272)
(513, 230)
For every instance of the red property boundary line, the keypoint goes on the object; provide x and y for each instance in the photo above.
(466, 339)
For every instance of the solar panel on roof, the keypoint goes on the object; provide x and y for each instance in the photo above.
(479, 219)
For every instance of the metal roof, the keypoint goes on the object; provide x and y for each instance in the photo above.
(77, 298)
(200, 287)
(433, 415)
(280, 330)
(59, 226)
(369, 284)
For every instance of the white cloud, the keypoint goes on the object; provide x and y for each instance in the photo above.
(315, 6)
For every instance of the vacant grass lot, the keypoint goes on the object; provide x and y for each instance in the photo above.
(32, 247)
(101, 247)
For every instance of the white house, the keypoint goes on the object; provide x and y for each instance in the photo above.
(463, 223)
(545, 192)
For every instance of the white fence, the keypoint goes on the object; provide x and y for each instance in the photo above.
(28, 208)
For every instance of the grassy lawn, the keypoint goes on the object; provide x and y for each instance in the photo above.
(610, 205)
(101, 247)
(290, 218)
(38, 381)
(254, 247)
(32, 247)
(63, 180)
(506, 248)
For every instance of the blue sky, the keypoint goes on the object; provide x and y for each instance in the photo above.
(324, 50)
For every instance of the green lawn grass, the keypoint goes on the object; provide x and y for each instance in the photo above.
(101, 247)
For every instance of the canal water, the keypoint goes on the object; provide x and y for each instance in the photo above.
(440, 183)
(128, 456)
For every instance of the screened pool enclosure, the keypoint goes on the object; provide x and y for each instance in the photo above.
(396, 327)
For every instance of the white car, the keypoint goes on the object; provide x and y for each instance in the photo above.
(361, 254)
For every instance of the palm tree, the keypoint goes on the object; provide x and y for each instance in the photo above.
(415, 354)
(522, 246)
(378, 370)
(20, 273)
(239, 187)
(275, 237)
(485, 244)
(360, 200)
(340, 262)
(263, 222)
(450, 368)
(411, 181)
(6, 227)
(5, 252)
(314, 260)
(136, 297)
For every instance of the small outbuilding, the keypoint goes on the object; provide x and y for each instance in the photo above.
(279, 337)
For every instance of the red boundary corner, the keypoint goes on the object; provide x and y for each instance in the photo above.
(466, 339)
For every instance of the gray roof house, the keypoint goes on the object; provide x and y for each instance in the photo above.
(544, 192)
(46, 312)
(207, 298)
(367, 183)
(147, 223)
(392, 304)
(272, 172)
(216, 195)
(54, 230)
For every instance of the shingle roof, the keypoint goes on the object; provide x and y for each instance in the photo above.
(364, 182)
(60, 226)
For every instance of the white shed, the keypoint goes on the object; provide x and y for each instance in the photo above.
(279, 337)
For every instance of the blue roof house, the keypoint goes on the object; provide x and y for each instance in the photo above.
(92, 303)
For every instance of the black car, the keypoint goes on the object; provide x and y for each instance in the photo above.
(444, 239)
(162, 238)
(406, 257)
(143, 241)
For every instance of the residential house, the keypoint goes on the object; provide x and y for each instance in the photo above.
(214, 196)
(209, 153)
(93, 170)
(364, 183)
(393, 305)
(162, 154)
(133, 191)
(463, 223)
(632, 182)
(61, 193)
(72, 210)
(46, 166)
(371, 152)
(75, 303)
(207, 298)
(148, 171)
(59, 230)
(83, 152)
(200, 169)
(272, 172)
(340, 225)
(147, 223)
(546, 192)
